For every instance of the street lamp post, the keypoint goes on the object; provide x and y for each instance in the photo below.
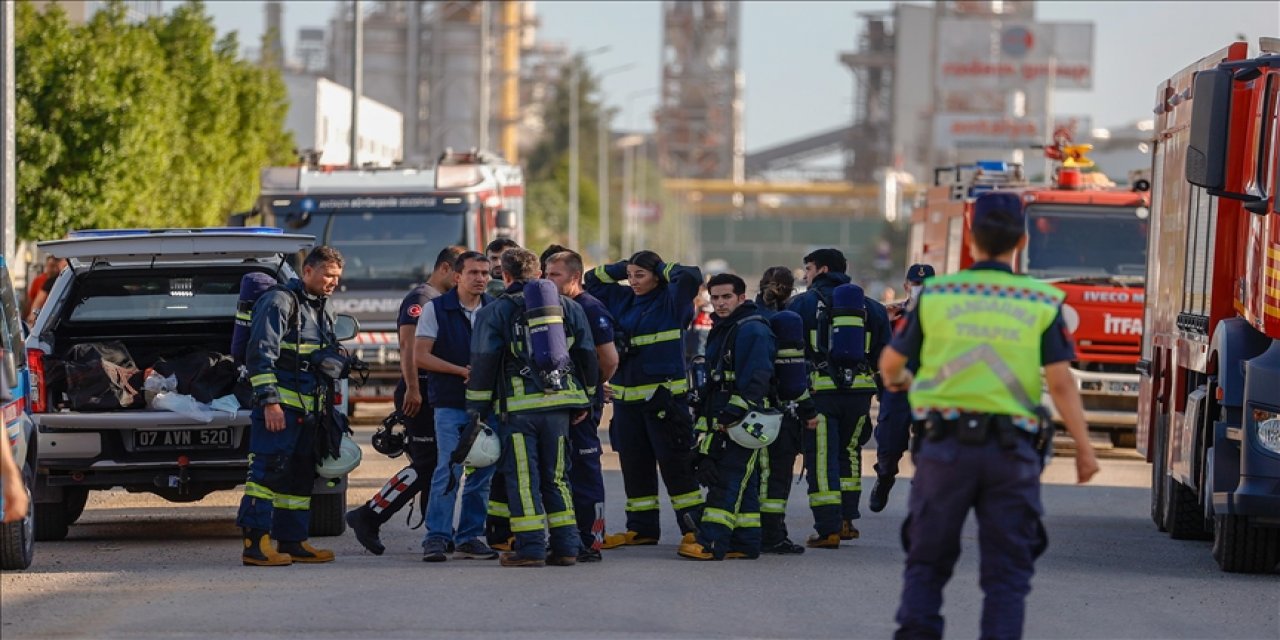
(574, 159)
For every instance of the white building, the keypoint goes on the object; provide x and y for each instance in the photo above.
(320, 119)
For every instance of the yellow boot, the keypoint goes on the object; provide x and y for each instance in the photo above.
(694, 551)
(848, 531)
(627, 539)
(304, 552)
(258, 551)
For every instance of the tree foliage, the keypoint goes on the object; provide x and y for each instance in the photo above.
(148, 124)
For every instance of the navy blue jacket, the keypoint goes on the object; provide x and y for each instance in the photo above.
(745, 371)
(877, 326)
(272, 335)
(453, 345)
(653, 324)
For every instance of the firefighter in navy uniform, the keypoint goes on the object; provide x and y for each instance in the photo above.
(842, 393)
(739, 379)
(651, 426)
(289, 324)
(777, 461)
(533, 361)
(418, 418)
(893, 425)
(982, 337)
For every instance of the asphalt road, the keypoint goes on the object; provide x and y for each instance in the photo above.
(137, 567)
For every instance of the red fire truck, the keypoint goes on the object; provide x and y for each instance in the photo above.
(1086, 237)
(389, 224)
(1209, 398)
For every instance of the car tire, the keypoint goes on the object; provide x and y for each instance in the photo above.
(328, 512)
(1183, 516)
(75, 500)
(18, 539)
(1158, 472)
(51, 521)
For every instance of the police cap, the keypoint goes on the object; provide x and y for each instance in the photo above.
(998, 209)
(916, 273)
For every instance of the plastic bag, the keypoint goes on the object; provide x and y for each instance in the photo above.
(183, 405)
(228, 403)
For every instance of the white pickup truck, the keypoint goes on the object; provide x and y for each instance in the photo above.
(158, 293)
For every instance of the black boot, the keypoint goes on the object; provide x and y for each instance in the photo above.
(880, 493)
(365, 523)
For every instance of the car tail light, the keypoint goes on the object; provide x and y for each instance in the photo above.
(337, 399)
(36, 392)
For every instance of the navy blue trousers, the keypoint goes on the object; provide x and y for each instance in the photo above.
(731, 517)
(893, 432)
(833, 458)
(1002, 487)
(282, 472)
(777, 468)
(535, 464)
(587, 479)
(646, 444)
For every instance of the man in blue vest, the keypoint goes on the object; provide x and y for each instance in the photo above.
(442, 346)
(893, 425)
(833, 450)
(982, 337)
(289, 324)
(536, 407)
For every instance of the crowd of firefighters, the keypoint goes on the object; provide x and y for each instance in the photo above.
(515, 356)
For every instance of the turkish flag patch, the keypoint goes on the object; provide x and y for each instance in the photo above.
(415, 310)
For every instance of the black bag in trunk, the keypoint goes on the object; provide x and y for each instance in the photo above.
(203, 375)
(99, 377)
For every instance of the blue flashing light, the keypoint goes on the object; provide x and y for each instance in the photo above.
(993, 165)
(110, 233)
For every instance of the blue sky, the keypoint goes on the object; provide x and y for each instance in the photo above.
(795, 84)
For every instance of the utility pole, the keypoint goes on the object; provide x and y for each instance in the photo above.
(8, 219)
(573, 153)
(357, 78)
(602, 179)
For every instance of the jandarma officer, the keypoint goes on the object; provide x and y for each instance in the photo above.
(982, 337)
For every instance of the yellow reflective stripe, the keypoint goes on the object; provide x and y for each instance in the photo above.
(742, 487)
(647, 503)
(823, 382)
(763, 461)
(686, 500)
(525, 524)
(717, 516)
(790, 353)
(666, 273)
(561, 519)
(255, 490)
(851, 484)
(566, 495)
(572, 397)
(654, 338)
(821, 455)
(244, 315)
(537, 322)
(645, 391)
(704, 445)
(523, 479)
(824, 498)
(291, 398)
(305, 349)
(262, 378)
(747, 521)
(291, 503)
(499, 509)
(479, 395)
(855, 460)
(736, 401)
(730, 376)
(603, 275)
(847, 321)
(773, 505)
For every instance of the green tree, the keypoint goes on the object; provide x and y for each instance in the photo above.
(132, 125)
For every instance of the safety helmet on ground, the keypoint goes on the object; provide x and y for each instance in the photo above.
(757, 430)
(346, 462)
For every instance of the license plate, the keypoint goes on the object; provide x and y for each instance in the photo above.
(153, 440)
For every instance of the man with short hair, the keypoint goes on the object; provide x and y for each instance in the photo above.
(442, 346)
(493, 251)
(535, 406)
(585, 476)
(740, 350)
(288, 322)
(419, 420)
(982, 338)
(833, 450)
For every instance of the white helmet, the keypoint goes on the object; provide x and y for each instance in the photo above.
(485, 449)
(757, 430)
(348, 459)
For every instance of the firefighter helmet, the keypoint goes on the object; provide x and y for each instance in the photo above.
(757, 430)
(346, 462)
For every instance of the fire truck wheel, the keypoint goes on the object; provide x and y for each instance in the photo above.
(1158, 472)
(1183, 515)
(1241, 548)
